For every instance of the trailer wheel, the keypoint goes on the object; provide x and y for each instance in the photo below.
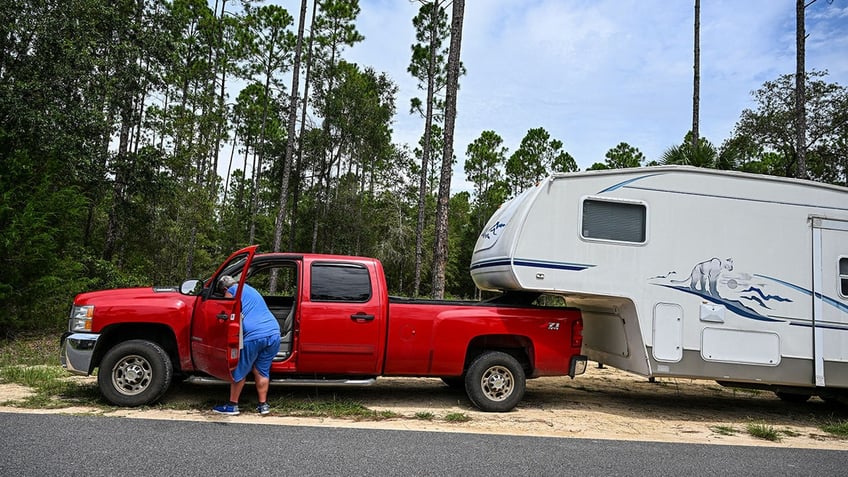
(134, 373)
(793, 398)
(495, 382)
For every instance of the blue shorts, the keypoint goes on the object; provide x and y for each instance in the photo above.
(257, 354)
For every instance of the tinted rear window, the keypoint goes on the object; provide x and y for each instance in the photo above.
(337, 282)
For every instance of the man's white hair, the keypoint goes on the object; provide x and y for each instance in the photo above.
(226, 282)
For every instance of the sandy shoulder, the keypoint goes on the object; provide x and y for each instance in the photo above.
(602, 404)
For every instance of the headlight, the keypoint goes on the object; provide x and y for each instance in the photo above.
(81, 318)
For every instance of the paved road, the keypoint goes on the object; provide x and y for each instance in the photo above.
(66, 445)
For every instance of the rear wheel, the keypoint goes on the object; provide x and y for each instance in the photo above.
(495, 382)
(134, 373)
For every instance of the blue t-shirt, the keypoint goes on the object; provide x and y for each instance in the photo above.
(258, 321)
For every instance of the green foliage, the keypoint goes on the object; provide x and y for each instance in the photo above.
(429, 56)
(486, 155)
(115, 114)
(703, 155)
(28, 350)
(837, 428)
(763, 139)
(724, 430)
(536, 158)
(763, 431)
(621, 156)
(457, 417)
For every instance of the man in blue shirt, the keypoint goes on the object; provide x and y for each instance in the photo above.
(261, 342)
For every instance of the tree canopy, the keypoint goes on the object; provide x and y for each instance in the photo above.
(142, 141)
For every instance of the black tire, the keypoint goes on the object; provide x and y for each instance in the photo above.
(135, 373)
(793, 398)
(495, 382)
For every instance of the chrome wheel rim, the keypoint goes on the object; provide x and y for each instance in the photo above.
(497, 383)
(132, 375)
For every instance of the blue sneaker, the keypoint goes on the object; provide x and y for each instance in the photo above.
(228, 409)
(263, 408)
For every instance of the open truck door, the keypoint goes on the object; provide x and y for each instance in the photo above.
(216, 334)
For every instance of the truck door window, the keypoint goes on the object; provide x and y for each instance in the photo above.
(340, 282)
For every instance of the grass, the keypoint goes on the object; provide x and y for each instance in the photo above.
(724, 430)
(764, 431)
(457, 417)
(343, 408)
(838, 429)
(30, 350)
(32, 361)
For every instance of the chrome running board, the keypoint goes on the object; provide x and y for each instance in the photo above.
(291, 381)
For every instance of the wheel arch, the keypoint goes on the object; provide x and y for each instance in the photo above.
(518, 346)
(119, 333)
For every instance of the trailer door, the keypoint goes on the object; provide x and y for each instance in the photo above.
(830, 301)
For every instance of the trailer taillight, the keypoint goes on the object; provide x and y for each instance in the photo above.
(577, 333)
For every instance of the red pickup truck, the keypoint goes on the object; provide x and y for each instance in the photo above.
(338, 326)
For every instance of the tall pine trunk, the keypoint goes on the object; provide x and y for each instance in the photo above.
(696, 90)
(304, 107)
(800, 96)
(425, 154)
(440, 255)
(284, 187)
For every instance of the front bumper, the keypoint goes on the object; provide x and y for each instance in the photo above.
(578, 365)
(77, 352)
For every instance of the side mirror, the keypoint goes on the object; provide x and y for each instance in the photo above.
(191, 287)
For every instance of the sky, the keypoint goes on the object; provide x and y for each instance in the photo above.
(595, 73)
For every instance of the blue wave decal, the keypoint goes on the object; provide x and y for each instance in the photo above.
(827, 326)
(732, 305)
(753, 298)
(522, 262)
(629, 181)
(552, 265)
(764, 296)
(828, 300)
(492, 262)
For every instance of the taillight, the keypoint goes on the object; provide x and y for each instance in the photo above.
(577, 333)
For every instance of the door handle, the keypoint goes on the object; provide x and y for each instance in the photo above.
(361, 317)
(221, 316)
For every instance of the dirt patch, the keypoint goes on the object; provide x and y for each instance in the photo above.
(14, 392)
(602, 404)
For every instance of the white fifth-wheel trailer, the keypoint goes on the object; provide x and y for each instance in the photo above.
(688, 272)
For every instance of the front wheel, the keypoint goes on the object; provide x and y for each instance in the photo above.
(495, 382)
(134, 373)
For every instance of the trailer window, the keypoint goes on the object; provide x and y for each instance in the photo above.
(843, 275)
(619, 221)
(337, 282)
